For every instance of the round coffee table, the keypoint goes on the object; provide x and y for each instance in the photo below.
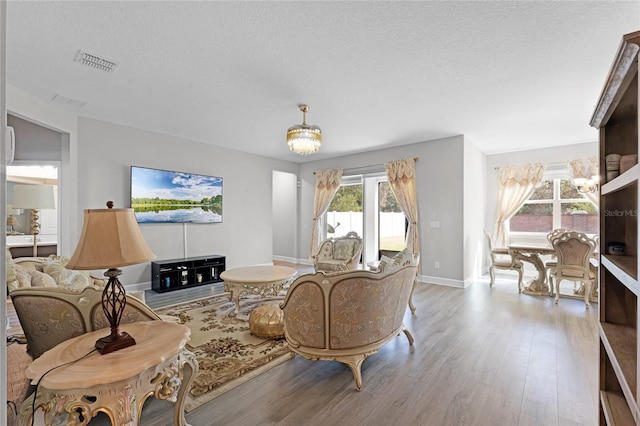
(260, 280)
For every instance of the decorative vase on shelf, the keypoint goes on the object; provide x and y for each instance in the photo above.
(627, 162)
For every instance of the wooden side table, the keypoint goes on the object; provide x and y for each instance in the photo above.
(117, 383)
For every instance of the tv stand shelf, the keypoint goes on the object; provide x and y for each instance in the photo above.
(176, 274)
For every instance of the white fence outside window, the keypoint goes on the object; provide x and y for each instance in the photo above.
(391, 223)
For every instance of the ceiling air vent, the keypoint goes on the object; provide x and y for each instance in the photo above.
(97, 62)
(68, 101)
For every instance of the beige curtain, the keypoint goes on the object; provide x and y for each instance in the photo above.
(585, 168)
(515, 186)
(327, 184)
(401, 175)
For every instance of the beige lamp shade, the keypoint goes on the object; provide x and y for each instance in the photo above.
(12, 221)
(110, 238)
(33, 197)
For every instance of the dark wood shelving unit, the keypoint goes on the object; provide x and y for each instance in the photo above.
(176, 274)
(616, 117)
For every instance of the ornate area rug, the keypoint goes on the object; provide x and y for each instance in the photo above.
(228, 354)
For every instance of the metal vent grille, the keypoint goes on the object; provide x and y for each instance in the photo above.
(68, 101)
(97, 62)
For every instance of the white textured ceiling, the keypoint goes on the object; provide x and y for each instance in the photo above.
(507, 75)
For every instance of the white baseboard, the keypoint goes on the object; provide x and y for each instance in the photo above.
(442, 281)
(293, 260)
(138, 286)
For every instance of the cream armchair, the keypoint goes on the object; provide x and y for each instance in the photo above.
(348, 316)
(338, 254)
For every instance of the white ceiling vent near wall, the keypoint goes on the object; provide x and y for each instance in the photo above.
(97, 62)
(68, 101)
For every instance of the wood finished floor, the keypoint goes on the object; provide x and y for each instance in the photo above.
(482, 356)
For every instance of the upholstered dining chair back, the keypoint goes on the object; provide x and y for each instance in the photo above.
(550, 264)
(555, 234)
(574, 251)
(49, 316)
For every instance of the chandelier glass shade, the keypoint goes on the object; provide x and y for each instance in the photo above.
(304, 139)
(585, 185)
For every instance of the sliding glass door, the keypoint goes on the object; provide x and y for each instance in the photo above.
(344, 214)
(366, 205)
(392, 229)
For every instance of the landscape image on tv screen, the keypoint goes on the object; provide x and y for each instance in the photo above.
(162, 196)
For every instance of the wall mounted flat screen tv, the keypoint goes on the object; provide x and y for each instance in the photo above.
(163, 196)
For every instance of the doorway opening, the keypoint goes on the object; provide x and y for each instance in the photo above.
(19, 222)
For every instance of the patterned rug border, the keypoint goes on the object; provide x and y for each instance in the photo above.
(192, 402)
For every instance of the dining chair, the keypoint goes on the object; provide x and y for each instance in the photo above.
(502, 259)
(552, 263)
(574, 251)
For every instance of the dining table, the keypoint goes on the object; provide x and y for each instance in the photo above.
(531, 253)
(539, 285)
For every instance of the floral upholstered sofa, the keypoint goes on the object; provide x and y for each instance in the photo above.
(350, 315)
(27, 272)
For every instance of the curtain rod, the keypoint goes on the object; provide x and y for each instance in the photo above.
(560, 163)
(368, 167)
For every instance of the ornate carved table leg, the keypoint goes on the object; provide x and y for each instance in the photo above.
(538, 286)
(235, 290)
(188, 370)
(263, 289)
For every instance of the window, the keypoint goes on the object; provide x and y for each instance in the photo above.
(556, 203)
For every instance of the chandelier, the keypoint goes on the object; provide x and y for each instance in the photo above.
(585, 185)
(304, 138)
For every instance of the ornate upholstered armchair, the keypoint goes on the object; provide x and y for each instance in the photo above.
(347, 316)
(338, 254)
(574, 251)
(49, 316)
(502, 259)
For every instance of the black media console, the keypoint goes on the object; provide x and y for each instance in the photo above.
(174, 274)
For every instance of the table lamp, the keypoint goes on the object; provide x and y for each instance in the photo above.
(11, 220)
(35, 198)
(111, 238)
